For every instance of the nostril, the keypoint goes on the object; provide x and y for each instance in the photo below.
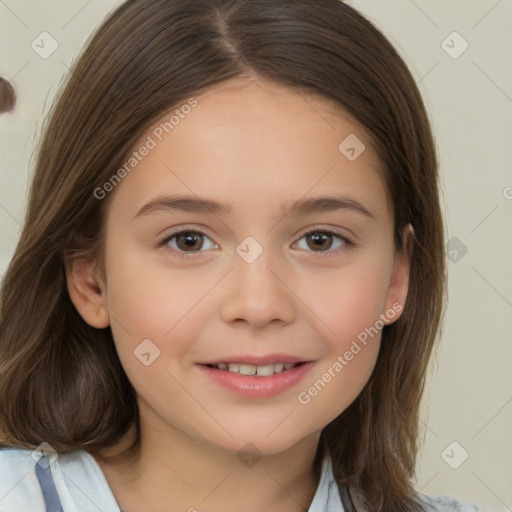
(7, 96)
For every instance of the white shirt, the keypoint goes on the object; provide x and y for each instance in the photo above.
(74, 482)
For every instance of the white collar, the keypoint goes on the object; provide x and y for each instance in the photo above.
(327, 497)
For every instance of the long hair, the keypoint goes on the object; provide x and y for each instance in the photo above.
(61, 380)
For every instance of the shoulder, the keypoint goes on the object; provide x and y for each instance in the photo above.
(428, 503)
(31, 480)
(447, 504)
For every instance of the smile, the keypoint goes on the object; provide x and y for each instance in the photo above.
(252, 369)
(255, 381)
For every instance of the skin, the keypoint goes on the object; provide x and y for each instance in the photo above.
(254, 145)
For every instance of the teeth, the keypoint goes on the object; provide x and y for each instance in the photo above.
(246, 369)
(251, 369)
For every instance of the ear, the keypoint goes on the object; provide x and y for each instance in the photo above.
(399, 280)
(87, 292)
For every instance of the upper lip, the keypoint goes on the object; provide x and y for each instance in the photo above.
(259, 360)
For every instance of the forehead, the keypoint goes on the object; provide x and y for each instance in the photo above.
(259, 144)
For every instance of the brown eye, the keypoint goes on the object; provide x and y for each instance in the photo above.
(189, 241)
(324, 243)
(319, 241)
(7, 96)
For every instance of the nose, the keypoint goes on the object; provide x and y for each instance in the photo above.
(258, 294)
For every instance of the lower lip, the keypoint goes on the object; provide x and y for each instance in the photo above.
(253, 386)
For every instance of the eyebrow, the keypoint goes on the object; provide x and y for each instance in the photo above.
(301, 207)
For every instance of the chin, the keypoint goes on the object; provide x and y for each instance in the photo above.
(258, 443)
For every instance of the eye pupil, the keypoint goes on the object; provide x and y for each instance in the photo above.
(321, 238)
(190, 239)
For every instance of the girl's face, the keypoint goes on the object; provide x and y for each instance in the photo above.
(189, 283)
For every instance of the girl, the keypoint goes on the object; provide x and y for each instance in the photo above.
(231, 274)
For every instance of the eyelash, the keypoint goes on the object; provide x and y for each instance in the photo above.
(347, 244)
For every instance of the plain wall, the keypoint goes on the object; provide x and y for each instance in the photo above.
(469, 96)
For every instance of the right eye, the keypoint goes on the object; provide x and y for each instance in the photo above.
(186, 243)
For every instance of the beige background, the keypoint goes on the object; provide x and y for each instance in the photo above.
(469, 97)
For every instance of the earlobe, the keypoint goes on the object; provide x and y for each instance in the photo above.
(87, 292)
(399, 281)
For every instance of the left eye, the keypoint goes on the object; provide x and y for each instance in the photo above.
(187, 241)
(322, 241)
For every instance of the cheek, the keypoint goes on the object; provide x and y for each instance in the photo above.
(145, 300)
(148, 290)
(348, 305)
(148, 302)
(347, 301)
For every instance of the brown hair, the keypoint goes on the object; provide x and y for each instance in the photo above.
(61, 381)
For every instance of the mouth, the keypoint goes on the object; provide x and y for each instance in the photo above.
(265, 370)
(257, 381)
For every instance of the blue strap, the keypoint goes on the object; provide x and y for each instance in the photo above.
(44, 475)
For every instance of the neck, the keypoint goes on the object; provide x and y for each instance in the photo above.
(180, 473)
